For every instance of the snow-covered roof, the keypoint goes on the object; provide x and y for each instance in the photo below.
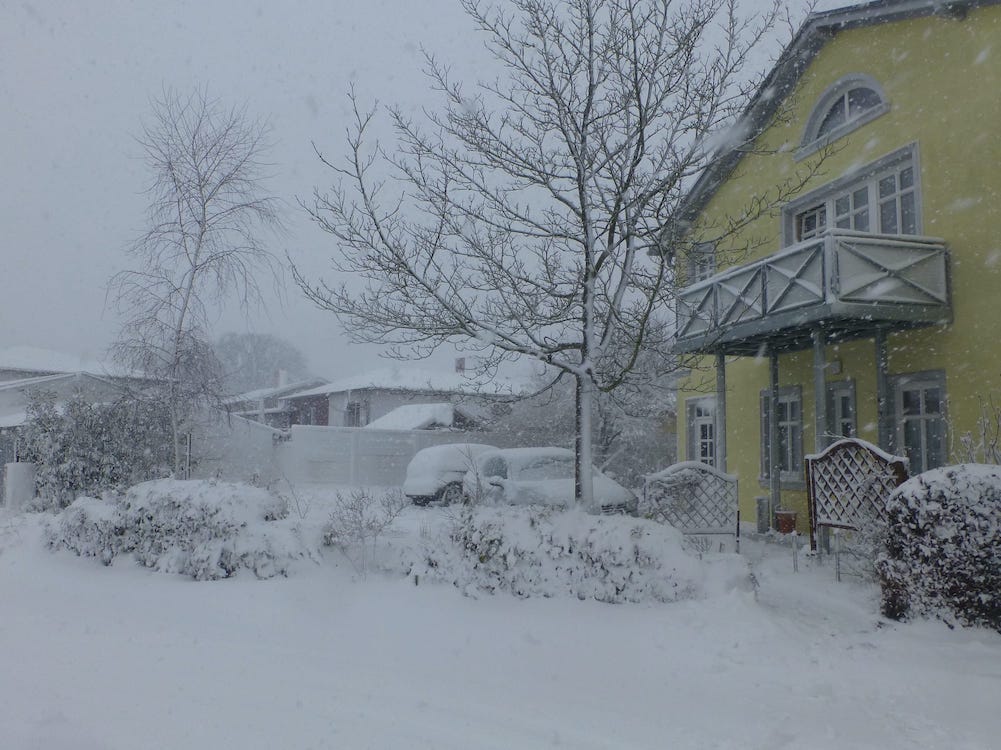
(418, 417)
(13, 419)
(39, 381)
(407, 378)
(35, 359)
(259, 394)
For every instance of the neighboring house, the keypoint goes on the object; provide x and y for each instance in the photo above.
(869, 305)
(359, 400)
(270, 405)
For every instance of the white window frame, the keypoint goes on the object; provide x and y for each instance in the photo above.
(837, 418)
(354, 414)
(701, 262)
(921, 382)
(838, 91)
(867, 178)
(791, 463)
(701, 414)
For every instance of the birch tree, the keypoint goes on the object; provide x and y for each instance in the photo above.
(208, 218)
(524, 215)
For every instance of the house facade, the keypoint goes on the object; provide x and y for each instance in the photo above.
(868, 303)
(357, 401)
(270, 406)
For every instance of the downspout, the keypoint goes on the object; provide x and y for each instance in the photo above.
(883, 391)
(819, 390)
(721, 411)
(774, 480)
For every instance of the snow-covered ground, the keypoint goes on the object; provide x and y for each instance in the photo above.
(123, 658)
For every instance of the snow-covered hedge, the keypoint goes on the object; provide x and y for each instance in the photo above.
(943, 549)
(531, 551)
(204, 529)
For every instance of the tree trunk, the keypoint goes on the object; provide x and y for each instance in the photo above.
(584, 479)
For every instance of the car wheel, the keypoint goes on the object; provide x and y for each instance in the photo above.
(451, 494)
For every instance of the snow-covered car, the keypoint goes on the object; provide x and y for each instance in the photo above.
(435, 473)
(540, 476)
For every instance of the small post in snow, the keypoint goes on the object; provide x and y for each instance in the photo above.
(795, 553)
(837, 554)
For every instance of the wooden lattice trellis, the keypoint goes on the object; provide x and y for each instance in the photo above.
(849, 482)
(695, 498)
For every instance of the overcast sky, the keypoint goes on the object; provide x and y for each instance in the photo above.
(76, 80)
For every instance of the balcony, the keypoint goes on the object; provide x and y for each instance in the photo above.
(846, 283)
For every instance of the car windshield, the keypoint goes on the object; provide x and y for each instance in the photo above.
(495, 467)
(548, 467)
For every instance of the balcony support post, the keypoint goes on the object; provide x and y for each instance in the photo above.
(774, 462)
(819, 389)
(883, 419)
(720, 411)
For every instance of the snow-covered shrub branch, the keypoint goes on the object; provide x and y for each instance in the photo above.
(532, 552)
(943, 553)
(84, 448)
(358, 519)
(203, 529)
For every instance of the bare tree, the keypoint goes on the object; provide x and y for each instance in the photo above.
(525, 217)
(253, 360)
(207, 214)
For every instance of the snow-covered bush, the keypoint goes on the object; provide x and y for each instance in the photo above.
(943, 551)
(204, 529)
(91, 527)
(533, 551)
(84, 448)
(358, 519)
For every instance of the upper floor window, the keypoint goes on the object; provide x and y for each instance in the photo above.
(848, 104)
(883, 199)
(701, 262)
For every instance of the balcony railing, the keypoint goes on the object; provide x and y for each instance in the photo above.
(844, 281)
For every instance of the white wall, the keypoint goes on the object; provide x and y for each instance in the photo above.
(361, 456)
(235, 448)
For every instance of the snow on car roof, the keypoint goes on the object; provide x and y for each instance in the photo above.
(521, 456)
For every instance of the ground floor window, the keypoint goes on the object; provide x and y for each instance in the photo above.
(919, 415)
(790, 433)
(841, 420)
(702, 430)
(356, 414)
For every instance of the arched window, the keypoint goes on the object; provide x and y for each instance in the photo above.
(848, 104)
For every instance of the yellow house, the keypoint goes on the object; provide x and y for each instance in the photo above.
(868, 304)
